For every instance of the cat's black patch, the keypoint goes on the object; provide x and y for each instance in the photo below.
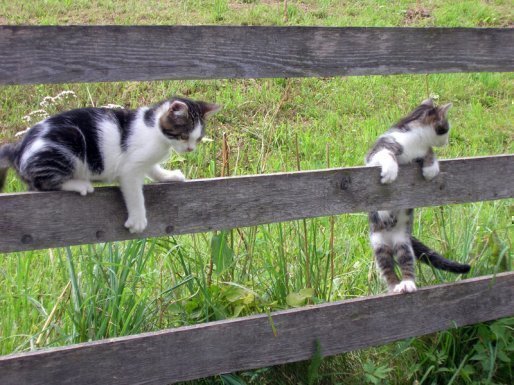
(123, 119)
(69, 137)
(385, 143)
(378, 223)
(419, 113)
(149, 116)
(86, 121)
(48, 169)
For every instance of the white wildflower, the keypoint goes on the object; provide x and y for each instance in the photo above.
(111, 106)
(37, 114)
(22, 132)
(65, 95)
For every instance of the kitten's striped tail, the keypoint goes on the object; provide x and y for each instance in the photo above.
(432, 258)
(7, 152)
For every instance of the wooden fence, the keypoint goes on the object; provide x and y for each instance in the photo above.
(86, 54)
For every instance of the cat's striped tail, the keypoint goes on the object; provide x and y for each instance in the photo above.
(432, 258)
(7, 152)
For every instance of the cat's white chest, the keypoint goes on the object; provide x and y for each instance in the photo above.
(411, 153)
(414, 145)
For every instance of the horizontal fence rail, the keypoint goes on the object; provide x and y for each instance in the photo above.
(59, 54)
(251, 342)
(50, 219)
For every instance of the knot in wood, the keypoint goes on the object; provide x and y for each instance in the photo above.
(26, 239)
(345, 182)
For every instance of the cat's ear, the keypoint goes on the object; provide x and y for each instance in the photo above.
(178, 108)
(443, 110)
(428, 102)
(209, 108)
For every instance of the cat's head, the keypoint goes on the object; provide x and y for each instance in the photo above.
(183, 122)
(432, 119)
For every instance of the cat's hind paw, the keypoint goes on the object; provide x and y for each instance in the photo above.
(430, 172)
(83, 187)
(136, 224)
(406, 286)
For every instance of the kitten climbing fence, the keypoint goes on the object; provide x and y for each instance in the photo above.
(110, 53)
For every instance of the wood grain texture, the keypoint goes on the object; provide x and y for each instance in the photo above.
(57, 54)
(51, 219)
(220, 347)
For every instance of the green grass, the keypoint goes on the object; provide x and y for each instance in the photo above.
(63, 296)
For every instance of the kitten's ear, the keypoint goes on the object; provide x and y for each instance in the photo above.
(178, 108)
(443, 110)
(428, 102)
(209, 108)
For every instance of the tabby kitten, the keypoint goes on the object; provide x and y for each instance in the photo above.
(411, 139)
(68, 151)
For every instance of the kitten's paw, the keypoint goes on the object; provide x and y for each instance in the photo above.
(406, 286)
(90, 189)
(83, 187)
(389, 173)
(136, 224)
(173, 176)
(431, 171)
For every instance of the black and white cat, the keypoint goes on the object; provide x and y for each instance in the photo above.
(69, 150)
(411, 139)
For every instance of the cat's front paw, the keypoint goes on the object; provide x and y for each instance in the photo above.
(406, 286)
(389, 173)
(430, 172)
(83, 187)
(173, 176)
(136, 224)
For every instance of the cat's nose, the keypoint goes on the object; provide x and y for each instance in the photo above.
(189, 149)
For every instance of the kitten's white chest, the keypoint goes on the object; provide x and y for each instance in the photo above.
(414, 144)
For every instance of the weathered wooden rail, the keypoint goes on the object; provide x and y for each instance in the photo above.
(111, 53)
(223, 203)
(251, 342)
(87, 54)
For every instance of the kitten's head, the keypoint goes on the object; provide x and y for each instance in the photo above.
(430, 117)
(183, 122)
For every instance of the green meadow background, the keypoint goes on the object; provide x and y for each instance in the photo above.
(67, 295)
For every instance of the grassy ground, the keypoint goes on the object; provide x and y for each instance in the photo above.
(108, 290)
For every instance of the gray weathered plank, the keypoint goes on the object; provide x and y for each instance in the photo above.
(57, 54)
(40, 220)
(220, 347)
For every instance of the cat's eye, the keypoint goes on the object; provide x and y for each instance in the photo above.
(184, 136)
